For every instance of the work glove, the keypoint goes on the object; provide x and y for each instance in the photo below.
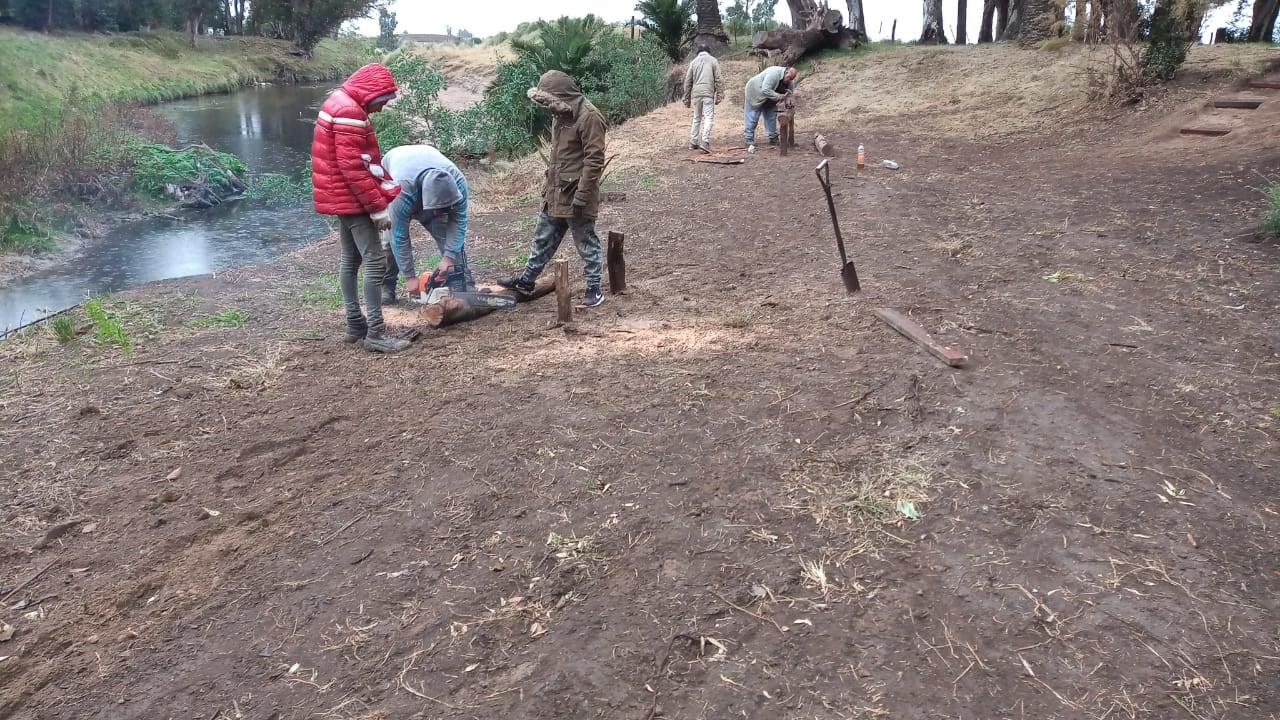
(381, 220)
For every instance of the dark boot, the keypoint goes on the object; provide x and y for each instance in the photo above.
(383, 343)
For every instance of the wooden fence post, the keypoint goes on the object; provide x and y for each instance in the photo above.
(617, 264)
(564, 306)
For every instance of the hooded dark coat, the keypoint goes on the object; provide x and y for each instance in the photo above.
(577, 147)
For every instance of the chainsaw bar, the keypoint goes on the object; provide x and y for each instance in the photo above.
(483, 299)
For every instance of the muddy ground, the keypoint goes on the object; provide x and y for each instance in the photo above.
(731, 492)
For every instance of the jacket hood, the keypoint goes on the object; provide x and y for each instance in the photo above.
(557, 92)
(439, 190)
(368, 83)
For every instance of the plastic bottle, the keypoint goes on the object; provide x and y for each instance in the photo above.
(862, 158)
(890, 164)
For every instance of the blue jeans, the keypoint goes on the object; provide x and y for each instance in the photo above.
(437, 227)
(752, 116)
(546, 240)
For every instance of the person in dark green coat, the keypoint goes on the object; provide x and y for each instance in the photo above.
(571, 194)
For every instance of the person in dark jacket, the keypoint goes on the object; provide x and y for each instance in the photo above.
(348, 181)
(571, 195)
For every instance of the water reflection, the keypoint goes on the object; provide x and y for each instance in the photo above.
(270, 129)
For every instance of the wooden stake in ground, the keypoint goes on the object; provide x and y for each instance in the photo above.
(824, 148)
(784, 133)
(913, 332)
(617, 265)
(564, 307)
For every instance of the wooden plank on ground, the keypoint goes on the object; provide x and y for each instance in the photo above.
(913, 332)
(1237, 103)
(1205, 131)
(1265, 84)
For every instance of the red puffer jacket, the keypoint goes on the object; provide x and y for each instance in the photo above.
(346, 167)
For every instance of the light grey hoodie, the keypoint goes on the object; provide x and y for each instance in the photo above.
(431, 187)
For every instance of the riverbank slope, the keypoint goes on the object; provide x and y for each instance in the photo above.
(39, 74)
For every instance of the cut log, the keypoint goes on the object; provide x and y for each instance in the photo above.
(617, 264)
(452, 310)
(1265, 84)
(913, 332)
(1206, 131)
(1237, 103)
(784, 133)
(823, 146)
(825, 30)
(564, 307)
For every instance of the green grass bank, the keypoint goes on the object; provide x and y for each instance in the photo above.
(39, 73)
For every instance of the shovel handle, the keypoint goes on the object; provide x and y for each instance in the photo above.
(823, 171)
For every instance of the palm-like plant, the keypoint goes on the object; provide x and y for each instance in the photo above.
(562, 44)
(670, 23)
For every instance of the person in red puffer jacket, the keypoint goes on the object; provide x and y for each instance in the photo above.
(348, 181)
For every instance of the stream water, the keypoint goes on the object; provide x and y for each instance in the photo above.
(267, 127)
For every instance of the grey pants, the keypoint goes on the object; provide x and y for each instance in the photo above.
(435, 226)
(358, 242)
(546, 240)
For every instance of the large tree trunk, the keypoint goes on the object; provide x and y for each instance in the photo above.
(1013, 25)
(826, 30)
(857, 19)
(962, 22)
(1079, 21)
(1002, 17)
(933, 31)
(710, 28)
(1037, 23)
(988, 18)
(1265, 14)
(1120, 20)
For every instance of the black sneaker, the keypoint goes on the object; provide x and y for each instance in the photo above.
(517, 283)
(592, 297)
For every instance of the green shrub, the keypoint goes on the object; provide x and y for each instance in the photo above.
(1271, 220)
(622, 77)
(159, 166)
(274, 189)
(64, 327)
(107, 328)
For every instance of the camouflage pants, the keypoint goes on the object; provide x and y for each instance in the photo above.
(546, 240)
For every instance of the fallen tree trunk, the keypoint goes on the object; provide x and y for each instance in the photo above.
(826, 30)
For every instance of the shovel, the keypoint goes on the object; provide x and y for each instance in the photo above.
(848, 273)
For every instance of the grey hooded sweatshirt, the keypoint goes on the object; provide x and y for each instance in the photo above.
(431, 187)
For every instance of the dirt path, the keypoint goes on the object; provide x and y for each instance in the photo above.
(692, 503)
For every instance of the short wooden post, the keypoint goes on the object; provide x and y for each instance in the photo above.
(617, 265)
(784, 132)
(564, 306)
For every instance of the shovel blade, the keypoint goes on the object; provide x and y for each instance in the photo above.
(849, 274)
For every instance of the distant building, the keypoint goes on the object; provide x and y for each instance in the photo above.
(420, 38)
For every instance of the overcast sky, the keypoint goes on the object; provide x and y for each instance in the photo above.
(490, 17)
